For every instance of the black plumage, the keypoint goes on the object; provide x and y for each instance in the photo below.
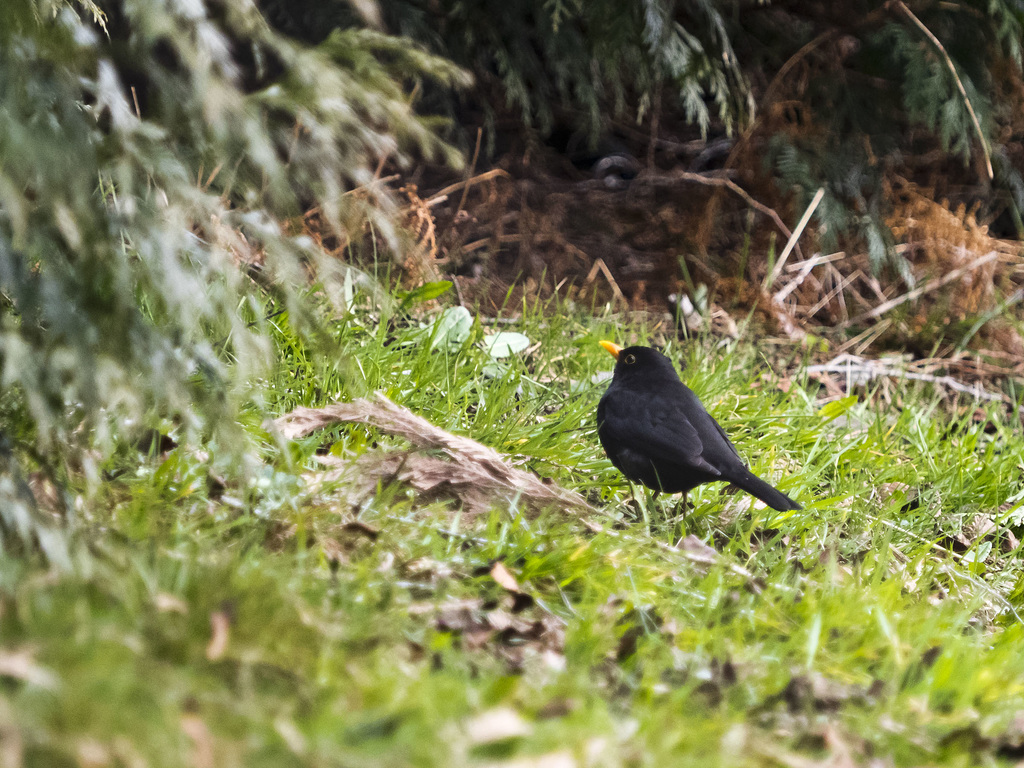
(656, 431)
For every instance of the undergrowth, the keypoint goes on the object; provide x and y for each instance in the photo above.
(297, 622)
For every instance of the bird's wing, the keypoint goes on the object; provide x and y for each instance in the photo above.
(658, 427)
(725, 437)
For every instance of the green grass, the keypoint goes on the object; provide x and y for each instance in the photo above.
(876, 622)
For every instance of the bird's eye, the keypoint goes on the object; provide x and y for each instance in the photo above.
(629, 359)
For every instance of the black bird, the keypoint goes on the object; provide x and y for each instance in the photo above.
(655, 431)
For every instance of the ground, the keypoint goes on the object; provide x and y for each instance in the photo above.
(314, 618)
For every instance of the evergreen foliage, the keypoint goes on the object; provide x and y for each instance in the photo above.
(149, 149)
(872, 88)
(566, 63)
(867, 84)
(146, 150)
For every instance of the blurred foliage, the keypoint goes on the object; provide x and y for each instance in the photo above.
(565, 63)
(848, 93)
(867, 91)
(149, 149)
(146, 151)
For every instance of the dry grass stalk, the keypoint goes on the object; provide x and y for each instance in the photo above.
(420, 264)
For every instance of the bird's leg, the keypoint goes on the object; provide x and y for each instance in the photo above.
(653, 505)
(681, 508)
(681, 518)
(633, 505)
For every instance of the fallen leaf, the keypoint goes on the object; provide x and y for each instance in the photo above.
(500, 620)
(505, 343)
(459, 615)
(698, 551)
(819, 693)
(220, 625)
(166, 603)
(202, 742)
(498, 724)
(451, 328)
(504, 577)
(21, 665)
(90, 753)
(514, 639)
(560, 759)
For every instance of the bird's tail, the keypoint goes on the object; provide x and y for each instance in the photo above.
(767, 493)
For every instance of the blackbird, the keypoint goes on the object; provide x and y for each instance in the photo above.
(656, 431)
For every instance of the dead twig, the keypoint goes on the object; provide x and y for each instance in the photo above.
(600, 266)
(732, 186)
(791, 243)
(857, 370)
(927, 287)
(465, 183)
(837, 290)
(867, 337)
(476, 245)
(789, 324)
(803, 269)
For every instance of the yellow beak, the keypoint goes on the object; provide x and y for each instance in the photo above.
(612, 347)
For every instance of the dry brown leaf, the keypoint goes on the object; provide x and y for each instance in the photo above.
(820, 693)
(202, 741)
(551, 760)
(90, 754)
(698, 551)
(12, 743)
(504, 577)
(167, 603)
(21, 665)
(220, 625)
(46, 494)
(840, 753)
(514, 639)
(472, 473)
(499, 724)
(455, 615)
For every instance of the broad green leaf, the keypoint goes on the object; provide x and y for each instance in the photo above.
(494, 370)
(837, 408)
(505, 343)
(425, 292)
(451, 328)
